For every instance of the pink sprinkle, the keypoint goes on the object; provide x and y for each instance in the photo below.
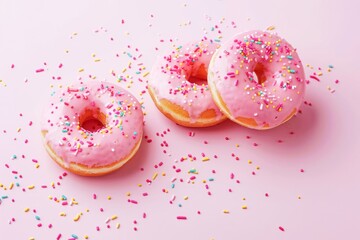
(94, 196)
(145, 194)
(144, 215)
(58, 237)
(132, 201)
(313, 77)
(281, 228)
(39, 70)
(302, 170)
(181, 218)
(60, 65)
(232, 175)
(12, 65)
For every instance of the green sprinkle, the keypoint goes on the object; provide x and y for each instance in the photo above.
(4, 197)
(258, 42)
(289, 57)
(173, 185)
(63, 197)
(74, 236)
(211, 179)
(135, 133)
(64, 130)
(192, 170)
(14, 156)
(37, 218)
(217, 40)
(292, 71)
(129, 54)
(67, 123)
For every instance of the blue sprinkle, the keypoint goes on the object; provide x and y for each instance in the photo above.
(331, 66)
(129, 54)
(4, 197)
(37, 217)
(173, 185)
(64, 197)
(211, 179)
(74, 236)
(290, 57)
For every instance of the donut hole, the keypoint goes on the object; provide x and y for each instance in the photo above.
(92, 120)
(198, 76)
(260, 73)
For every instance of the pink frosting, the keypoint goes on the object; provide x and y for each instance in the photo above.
(119, 136)
(170, 74)
(232, 73)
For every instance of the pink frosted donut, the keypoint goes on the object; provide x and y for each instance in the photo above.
(93, 128)
(178, 85)
(257, 80)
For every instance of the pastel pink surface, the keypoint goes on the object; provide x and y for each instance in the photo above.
(323, 140)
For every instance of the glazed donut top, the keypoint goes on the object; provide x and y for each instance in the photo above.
(260, 77)
(170, 78)
(118, 111)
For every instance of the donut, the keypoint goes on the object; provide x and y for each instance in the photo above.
(257, 80)
(178, 85)
(93, 128)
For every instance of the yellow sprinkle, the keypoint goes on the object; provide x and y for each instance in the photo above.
(114, 217)
(31, 238)
(244, 207)
(18, 130)
(139, 185)
(237, 145)
(11, 186)
(109, 197)
(145, 74)
(93, 55)
(204, 159)
(319, 73)
(86, 237)
(37, 165)
(62, 214)
(77, 217)
(31, 187)
(154, 176)
(97, 60)
(26, 209)
(128, 194)
(186, 198)
(124, 70)
(226, 211)
(118, 225)
(163, 174)
(257, 168)
(249, 162)
(81, 69)
(270, 28)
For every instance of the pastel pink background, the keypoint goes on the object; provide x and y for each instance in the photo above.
(325, 140)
